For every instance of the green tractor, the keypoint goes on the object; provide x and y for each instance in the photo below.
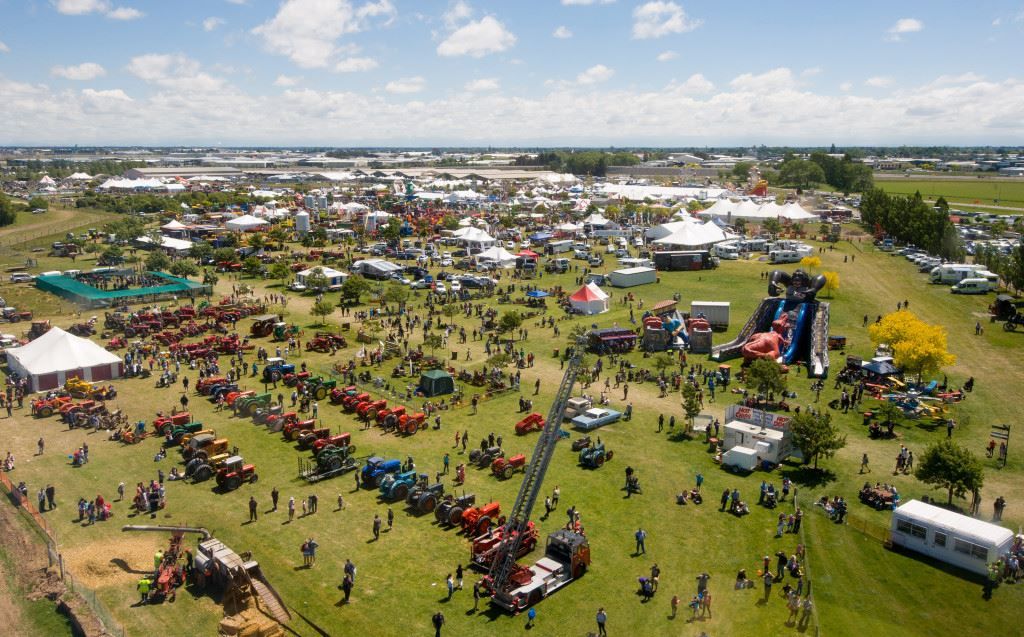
(282, 331)
(320, 387)
(178, 432)
(595, 457)
(396, 486)
(333, 460)
(247, 405)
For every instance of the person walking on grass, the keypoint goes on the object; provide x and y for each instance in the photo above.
(438, 621)
(864, 464)
(602, 619)
(451, 585)
(641, 536)
(291, 508)
(252, 509)
(376, 526)
(675, 605)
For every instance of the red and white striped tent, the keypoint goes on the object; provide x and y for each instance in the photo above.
(589, 299)
(57, 356)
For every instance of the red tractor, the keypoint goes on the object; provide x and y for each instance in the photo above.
(292, 380)
(478, 520)
(339, 394)
(45, 407)
(308, 438)
(349, 403)
(370, 409)
(504, 467)
(234, 472)
(293, 430)
(341, 440)
(164, 424)
(533, 422)
(325, 342)
(482, 548)
(411, 423)
(232, 396)
(388, 417)
(277, 422)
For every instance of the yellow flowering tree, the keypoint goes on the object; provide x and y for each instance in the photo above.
(918, 348)
(831, 282)
(811, 262)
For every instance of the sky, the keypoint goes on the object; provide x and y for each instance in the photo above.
(510, 73)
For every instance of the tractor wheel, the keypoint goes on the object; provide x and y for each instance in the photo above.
(377, 480)
(599, 460)
(608, 456)
(507, 472)
(1009, 326)
(350, 450)
(46, 412)
(455, 516)
(483, 525)
(191, 466)
(177, 435)
(202, 473)
(294, 434)
(390, 422)
(255, 477)
(305, 440)
(129, 332)
(334, 463)
(474, 455)
(201, 455)
(275, 376)
(320, 393)
(400, 492)
(232, 483)
(166, 428)
(371, 414)
(427, 503)
(412, 427)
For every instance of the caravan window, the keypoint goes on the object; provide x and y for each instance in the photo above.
(967, 548)
(940, 539)
(913, 530)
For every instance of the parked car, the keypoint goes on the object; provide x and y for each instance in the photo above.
(595, 417)
(446, 262)
(456, 286)
(22, 277)
(440, 288)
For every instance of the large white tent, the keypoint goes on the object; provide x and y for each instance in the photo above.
(727, 209)
(245, 223)
(694, 235)
(499, 255)
(57, 356)
(475, 238)
(589, 299)
(663, 230)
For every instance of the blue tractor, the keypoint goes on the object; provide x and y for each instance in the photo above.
(376, 468)
(276, 369)
(396, 486)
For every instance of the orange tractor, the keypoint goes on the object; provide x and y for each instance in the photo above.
(409, 424)
(478, 520)
(504, 467)
(387, 418)
(45, 407)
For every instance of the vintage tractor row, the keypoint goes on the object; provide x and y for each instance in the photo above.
(205, 446)
(423, 498)
(246, 406)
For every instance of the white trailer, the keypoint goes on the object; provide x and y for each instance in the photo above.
(630, 277)
(716, 312)
(953, 272)
(948, 536)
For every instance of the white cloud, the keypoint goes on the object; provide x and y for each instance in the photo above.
(211, 23)
(595, 75)
(562, 33)
(81, 7)
(287, 80)
(406, 85)
(174, 71)
(775, 80)
(666, 56)
(355, 65)
(846, 86)
(307, 31)
(85, 7)
(125, 13)
(660, 18)
(904, 25)
(482, 84)
(584, 3)
(4, 48)
(997, 22)
(456, 14)
(80, 72)
(112, 94)
(477, 38)
(811, 71)
(238, 1)
(878, 81)
(696, 84)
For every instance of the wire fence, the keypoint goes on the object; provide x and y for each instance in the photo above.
(48, 538)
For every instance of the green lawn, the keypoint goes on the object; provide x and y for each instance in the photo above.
(966, 190)
(857, 583)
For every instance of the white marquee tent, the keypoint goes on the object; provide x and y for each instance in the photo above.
(57, 356)
(499, 255)
(244, 223)
(589, 299)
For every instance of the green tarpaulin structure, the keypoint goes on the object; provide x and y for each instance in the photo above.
(436, 382)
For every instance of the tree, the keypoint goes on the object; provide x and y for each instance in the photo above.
(256, 241)
(811, 262)
(126, 228)
(183, 268)
(765, 376)
(947, 465)
(831, 283)
(397, 294)
(8, 211)
(157, 261)
(224, 255)
(353, 288)
(918, 347)
(112, 254)
(816, 436)
(200, 251)
(450, 310)
(392, 230)
(432, 340)
(741, 170)
(316, 280)
(38, 203)
(691, 404)
(322, 308)
(280, 271)
(252, 266)
(801, 173)
(772, 226)
(510, 321)
(663, 361)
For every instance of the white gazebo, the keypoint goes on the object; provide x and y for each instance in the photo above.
(589, 299)
(499, 255)
(245, 223)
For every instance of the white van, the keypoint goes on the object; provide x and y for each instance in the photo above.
(784, 256)
(726, 251)
(971, 286)
(952, 273)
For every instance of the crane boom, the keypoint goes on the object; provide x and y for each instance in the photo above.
(533, 478)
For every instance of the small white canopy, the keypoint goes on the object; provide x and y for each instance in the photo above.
(334, 277)
(79, 177)
(168, 243)
(245, 222)
(499, 255)
(174, 224)
(597, 219)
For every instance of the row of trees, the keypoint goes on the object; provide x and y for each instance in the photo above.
(912, 220)
(60, 168)
(1008, 266)
(146, 202)
(589, 162)
(8, 210)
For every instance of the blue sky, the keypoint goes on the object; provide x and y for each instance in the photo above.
(526, 72)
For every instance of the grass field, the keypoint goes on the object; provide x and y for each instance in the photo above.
(963, 191)
(857, 584)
